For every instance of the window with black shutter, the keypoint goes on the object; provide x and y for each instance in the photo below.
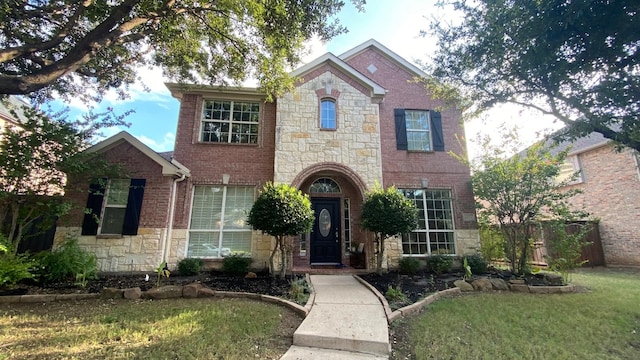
(418, 130)
(114, 209)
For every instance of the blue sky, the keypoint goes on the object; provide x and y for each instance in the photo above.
(395, 24)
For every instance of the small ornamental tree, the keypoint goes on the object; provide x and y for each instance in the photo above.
(387, 213)
(281, 211)
(520, 191)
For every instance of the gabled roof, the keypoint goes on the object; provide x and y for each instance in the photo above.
(14, 103)
(376, 90)
(169, 166)
(371, 43)
(580, 145)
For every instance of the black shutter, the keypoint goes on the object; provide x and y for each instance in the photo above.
(94, 209)
(134, 205)
(436, 127)
(401, 129)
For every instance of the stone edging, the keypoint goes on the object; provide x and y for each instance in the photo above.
(164, 292)
(417, 306)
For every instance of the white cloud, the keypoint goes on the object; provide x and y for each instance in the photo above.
(164, 144)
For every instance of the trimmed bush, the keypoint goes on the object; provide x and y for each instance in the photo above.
(236, 264)
(190, 266)
(13, 267)
(477, 264)
(409, 265)
(439, 264)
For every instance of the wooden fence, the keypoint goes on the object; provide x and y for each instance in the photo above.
(592, 253)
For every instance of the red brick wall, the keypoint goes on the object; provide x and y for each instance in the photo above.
(406, 169)
(155, 202)
(246, 164)
(611, 193)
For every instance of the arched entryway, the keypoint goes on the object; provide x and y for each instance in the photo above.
(336, 194)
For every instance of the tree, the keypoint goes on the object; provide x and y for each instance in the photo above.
(281, 211)
(78, 48)
(575, 60)
(387, 213)
(38, 156)
(519, 191)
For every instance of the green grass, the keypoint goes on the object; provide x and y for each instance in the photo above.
(166, 329)
(602, 323)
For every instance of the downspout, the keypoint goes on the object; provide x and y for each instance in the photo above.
(172, 206)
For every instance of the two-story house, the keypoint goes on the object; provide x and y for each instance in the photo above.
(610, 183)
(351, 122)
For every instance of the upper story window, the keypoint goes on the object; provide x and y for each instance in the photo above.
(228, 121)
(328, 114)
(568, 169)
(419, 130)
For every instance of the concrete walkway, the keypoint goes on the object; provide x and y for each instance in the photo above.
(347, 321)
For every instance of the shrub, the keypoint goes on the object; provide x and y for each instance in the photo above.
(395, 295)
(299, 290)
(236, 264)
(409, 265)
(190, 266)
(477, 263)
(69, 262)
(13, 267)
(491, 242)
(439, 263)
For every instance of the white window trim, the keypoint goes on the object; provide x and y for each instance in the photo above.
(230, 121)
(105, 205)
(415, 130)
(575, 162)
(427, 230)
(221, 230)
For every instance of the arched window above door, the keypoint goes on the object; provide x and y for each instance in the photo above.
(325, 186)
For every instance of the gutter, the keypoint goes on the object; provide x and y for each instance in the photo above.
(172, 205)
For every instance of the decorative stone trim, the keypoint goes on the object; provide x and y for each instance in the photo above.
(166, 292)
(417, 306)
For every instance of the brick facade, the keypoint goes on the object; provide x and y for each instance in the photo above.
(291, 148)
(611, 194)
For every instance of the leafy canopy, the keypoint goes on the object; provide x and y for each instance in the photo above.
(388, 213)
(84, 48)
(518, 191)
(575, 60)
(281, 210)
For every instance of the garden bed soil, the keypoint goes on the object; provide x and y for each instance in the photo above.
(263, 283)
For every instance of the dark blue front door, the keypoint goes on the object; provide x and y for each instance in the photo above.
(325, 235)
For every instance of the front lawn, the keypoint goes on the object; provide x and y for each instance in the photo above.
(165, 329)
(601, 323)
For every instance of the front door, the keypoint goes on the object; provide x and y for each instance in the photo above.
(325, 235)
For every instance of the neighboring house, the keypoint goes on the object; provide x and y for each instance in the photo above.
(610, 184)
(350, 123)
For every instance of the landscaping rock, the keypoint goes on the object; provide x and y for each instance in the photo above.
(164, 292)
(206, 292)
(132, 293)
(519, 288)
(554, 279)
(251, 275)
(463, 285)
(516, 281)
(191, 290)
(112, 293)
(499, 284)
(482, 285)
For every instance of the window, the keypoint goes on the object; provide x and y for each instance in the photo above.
(113, 207)
(218, 221)
(418, 130)
(226, 121)
(347, 226)
(435, 232)
(328, 114)
(568, 168)
(324, 186)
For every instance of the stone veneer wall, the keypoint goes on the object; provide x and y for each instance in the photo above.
(467, 243)
(300, 143)
(127, 253)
